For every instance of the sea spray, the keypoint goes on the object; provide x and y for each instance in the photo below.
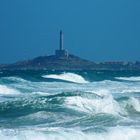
(69, 105)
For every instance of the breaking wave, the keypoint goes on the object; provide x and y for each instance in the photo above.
(119, 133)
(104, 103)
(70, 107)
(5, 90)
(71, 77)
(135, 103)
(15, 79)
(137, 78)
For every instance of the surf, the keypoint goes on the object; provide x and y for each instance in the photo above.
(71, 105)
(70, 77)
(8, 91)
(132, 78)
(118, 133)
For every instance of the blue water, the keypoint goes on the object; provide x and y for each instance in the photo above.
(55, 105)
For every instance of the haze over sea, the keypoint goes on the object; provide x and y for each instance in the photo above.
(86, 105)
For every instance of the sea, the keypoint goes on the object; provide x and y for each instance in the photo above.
(69, 105)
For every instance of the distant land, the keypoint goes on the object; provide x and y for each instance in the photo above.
(62, 60)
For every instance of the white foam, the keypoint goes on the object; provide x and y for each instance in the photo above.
(133, 78)
(41, 93)
(102, 92)
(106, 104)
(35, 116)
(135, 103)
(16, 79)
(71, 77)
(118, 133)
(4, 90)
(115, 87)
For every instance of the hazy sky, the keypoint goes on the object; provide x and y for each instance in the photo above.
(98, 30)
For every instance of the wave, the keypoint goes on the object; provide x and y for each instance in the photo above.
(15, 79)
(41, 93)
(135, 103)
(133, 78)
(115, 87)
(105, 103)
(71, 77)
(118, 133)
(5, 90)
(58, 87)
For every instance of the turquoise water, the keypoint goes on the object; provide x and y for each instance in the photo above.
(53, 105)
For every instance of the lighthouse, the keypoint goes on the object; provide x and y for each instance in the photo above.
(61, 40)
(61, 53)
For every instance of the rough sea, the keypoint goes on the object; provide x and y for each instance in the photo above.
(70, 105)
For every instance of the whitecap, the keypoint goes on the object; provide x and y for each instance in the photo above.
(117, 133)
(133, 78)
(5, 90)
(71, 77)
(106, 104)
(41, 93)
(135, 103)
(15, 79)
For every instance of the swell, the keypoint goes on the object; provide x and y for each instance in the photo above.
(32, 107)
(71, 103)
(118, 133)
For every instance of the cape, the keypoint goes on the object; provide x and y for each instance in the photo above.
(70, 62)
(62, 60)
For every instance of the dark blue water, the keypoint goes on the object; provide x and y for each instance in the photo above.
(85, 105)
